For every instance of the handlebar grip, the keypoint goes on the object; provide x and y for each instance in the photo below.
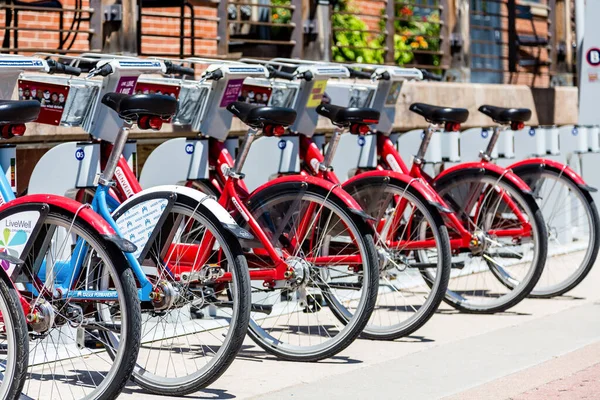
(307, 76)
(355, 73)
(179, 69)
(214, 75)
(431, 76)
(105, 70)
(57, 67)
(69, 70)
(275, 73)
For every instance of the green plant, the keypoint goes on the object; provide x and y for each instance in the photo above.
(280, 15)
(351, 42)
(417, 32)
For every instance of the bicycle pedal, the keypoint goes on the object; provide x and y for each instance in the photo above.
(196, 313)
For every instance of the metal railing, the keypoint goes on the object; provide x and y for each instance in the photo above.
(412, 33)
(179, 14)
(71, 23)
(262, 29)
(510, 43)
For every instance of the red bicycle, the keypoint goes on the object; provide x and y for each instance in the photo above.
(564, 198)
(313, 264)
(498, 239)
(497, 232)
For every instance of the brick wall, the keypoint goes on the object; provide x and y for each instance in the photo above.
(205, 32)
(157, 29)
(372, 8)
(36, 31)
(41, 25)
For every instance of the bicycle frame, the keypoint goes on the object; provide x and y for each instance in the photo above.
(390, 159)
(233, 197)
(65, 277)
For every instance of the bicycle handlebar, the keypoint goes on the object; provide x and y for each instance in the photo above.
(431, 76)
(275, 73)
(355, 73)
(213, 75)
(104, 70)
(289, 76)
(55, 67)
(178, 69)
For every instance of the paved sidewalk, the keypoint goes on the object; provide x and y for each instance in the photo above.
(542, 349)
(581, 385)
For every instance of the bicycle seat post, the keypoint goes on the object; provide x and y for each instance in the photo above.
(333, 144)
(245, 149)
(420, 157)
(487, 154)
(111, 164)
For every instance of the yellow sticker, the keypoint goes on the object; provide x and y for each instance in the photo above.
(316, 95)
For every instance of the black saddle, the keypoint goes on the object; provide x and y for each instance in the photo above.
(131, 107)
(506, 115)
(345, 116)
(260, 116)
(18, 111)
(438, 115)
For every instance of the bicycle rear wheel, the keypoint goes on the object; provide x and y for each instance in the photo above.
(508, 248)
(407, 297)
(14, 345)
(332, 286)
(573, 228)
(84, 316)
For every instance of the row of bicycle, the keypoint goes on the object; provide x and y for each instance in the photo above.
(162, 284)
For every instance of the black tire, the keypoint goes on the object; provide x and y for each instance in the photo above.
(352, 323)
(449, 187)
(369, 193)
(123, 360)
(13, 321)
(198, 379)
(578, 269)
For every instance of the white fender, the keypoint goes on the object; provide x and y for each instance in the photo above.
(138, 222)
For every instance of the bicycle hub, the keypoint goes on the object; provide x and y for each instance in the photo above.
(163, 296)
(41, 318)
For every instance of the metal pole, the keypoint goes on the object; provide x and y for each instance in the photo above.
(390, 30)
(579, 32)
(324, 13)
(222, 29)
(96, 25)
(298, 33)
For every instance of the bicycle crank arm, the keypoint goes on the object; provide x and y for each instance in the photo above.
(456, 265)
(507, 255)
(258, 308)
(104, 326)
(341, 285)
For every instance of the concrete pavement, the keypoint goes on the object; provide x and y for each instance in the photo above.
(540, 348)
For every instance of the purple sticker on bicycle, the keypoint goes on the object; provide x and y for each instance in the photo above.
(232, 92)
(126, 84)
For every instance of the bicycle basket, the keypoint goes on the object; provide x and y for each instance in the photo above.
(65, 101)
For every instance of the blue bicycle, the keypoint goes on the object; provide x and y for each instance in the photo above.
(195, 299)
(74, 287)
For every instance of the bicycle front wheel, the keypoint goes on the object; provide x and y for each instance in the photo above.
(13, 342)
(331, 288)
(195, 324)
(84, 316)
(573, 228)
(508, 245)
(411, 239)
